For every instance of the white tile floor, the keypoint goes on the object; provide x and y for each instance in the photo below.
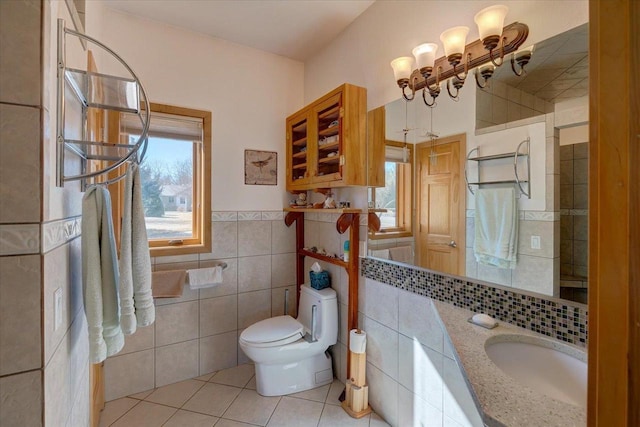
(228, 399)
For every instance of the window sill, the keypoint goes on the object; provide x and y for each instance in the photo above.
(381, 235)
(158, 251)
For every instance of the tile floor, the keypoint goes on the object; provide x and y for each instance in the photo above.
(228, 398)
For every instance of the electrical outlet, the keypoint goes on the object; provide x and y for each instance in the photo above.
(57, 309)
(535, 242)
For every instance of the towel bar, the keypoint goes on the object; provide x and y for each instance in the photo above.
(514, 155)
(221, 264)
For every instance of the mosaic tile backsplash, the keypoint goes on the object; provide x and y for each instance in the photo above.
(555, 318)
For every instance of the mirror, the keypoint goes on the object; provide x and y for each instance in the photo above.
(439, 220)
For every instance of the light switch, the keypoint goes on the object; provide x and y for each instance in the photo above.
(57, 309)
(535, 242)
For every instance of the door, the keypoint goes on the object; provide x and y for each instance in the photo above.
(441, 205)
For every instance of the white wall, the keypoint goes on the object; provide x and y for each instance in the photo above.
(361, 55)
(249, 93)
(571, 113)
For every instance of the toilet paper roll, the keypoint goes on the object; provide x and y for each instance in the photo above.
(357, 341)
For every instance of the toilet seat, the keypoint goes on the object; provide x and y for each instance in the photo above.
(272, 332)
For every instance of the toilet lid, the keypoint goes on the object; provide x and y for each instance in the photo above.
(273, 329)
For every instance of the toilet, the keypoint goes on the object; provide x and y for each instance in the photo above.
(287, 358)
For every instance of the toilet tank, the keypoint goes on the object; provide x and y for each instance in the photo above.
(327, 312)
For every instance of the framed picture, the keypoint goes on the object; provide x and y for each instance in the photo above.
(260, 167)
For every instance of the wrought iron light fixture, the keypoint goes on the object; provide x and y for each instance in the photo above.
(459, 58)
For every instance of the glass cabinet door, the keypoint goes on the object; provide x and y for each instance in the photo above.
(298, 150)
(329, 160)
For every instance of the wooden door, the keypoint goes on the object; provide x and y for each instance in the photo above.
(440, 243)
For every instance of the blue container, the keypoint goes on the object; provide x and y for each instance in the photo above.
(320, 280)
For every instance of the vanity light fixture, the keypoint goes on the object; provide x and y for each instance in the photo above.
(484, 54)
(454, 41)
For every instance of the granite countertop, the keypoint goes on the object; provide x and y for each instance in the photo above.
(501, 400)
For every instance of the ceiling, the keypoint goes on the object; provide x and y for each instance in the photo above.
(296, 29)
(558, 70)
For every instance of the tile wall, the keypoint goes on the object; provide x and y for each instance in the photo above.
(500, 103)
(393, 242)
(411, 370)
(320, 231)
(198, 333)
(574, 230)
(537, 270)
(43, 357)
(559, 319)
(574, 209)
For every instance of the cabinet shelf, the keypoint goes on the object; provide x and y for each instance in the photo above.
(332, 211)
(328, 147)
(300, 127)
(329, 160)
(332, 113)
(329, 131)
(515, 155)
(300, 166)
(300, 155)
(300, 142)
(330, 260)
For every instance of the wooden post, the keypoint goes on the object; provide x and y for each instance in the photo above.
(614, 209)
(298, 218)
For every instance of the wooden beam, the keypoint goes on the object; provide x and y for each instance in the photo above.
(634, 214)
(613, 214)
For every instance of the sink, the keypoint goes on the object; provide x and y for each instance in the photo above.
(549, 367)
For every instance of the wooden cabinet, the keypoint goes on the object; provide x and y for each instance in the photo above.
(326, 141)
(376, 146)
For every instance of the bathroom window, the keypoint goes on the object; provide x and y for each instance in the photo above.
(394, 199)
(176, 178)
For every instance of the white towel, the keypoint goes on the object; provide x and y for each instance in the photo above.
(200, 278)
(401, 254)
(100, 275)
(136, 300)
(496, 221)
(380, 253)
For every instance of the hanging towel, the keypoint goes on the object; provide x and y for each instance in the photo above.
(205, 277)
(168, 284)
(136, 300)
(496, 223)
(100, 275)
(401, 254)
(380, 253)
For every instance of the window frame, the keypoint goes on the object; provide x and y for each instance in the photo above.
(201, 240)
(404, 197)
